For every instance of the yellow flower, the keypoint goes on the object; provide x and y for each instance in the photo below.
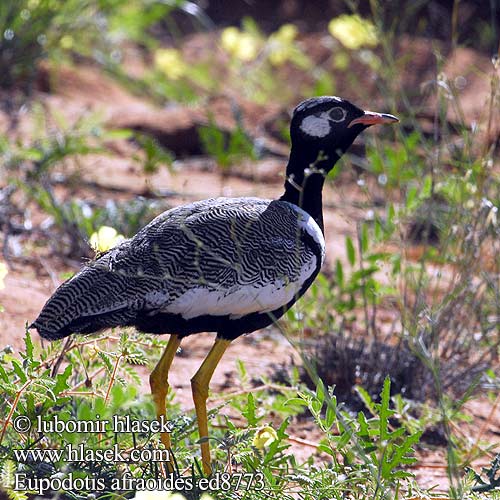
(3, 273)
(286, 34)
(281, 47)
(353, 31)
(341, 60)
(170, 62)
(241, 45)
(66, 42)
(105, 238)
(229, 38)
(264, 437)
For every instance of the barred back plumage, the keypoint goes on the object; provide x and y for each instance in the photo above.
(226, 257)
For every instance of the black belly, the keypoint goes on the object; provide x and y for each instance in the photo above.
(225, 326)
(168, 323)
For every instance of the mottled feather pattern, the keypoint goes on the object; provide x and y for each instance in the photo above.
(218, 256)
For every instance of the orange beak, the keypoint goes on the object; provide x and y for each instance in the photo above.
(371, 118)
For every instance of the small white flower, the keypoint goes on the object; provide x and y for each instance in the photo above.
(3, 273)
(382, 179)
(486, 203)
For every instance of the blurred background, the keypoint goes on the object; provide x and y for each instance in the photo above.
(112, 111)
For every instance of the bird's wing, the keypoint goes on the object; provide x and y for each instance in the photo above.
(228, 256)
(224, 256)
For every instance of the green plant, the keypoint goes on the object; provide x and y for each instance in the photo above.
(33, 29)
(55, 30)
(369, 447)
(154, 155)
(226, 148)
(260, 61)
(97, 374)
(85, 382)
(52, 158)
(491, 481)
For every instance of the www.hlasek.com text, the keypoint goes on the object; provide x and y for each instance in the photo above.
(81, 453)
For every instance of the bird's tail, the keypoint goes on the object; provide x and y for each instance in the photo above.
(94, 299)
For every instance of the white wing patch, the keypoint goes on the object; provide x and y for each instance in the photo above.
(310, 226)
(241, 300)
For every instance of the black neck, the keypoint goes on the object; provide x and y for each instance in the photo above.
(305, 189)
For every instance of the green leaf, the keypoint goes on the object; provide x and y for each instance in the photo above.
(18, 369)
(7, 473)
(330, 416)
(426, 190)
(345, 437)
(118, 396)
(106, 360)
(391, 215)
(295, 401)
(119, 133)
(411, 198)
(364, 238)
(62, 380)
(320, 391)
(364, 431)
(32, 154)
(385, 413)
(84, 412)
(29, 345)
(326, 449)
(242, 371)
(351, 252)
(315, 406)
(3, 374)
(339, 272)
(400, 454)
(366, 398)
(249, 411)
(396, 264)
(377, 229)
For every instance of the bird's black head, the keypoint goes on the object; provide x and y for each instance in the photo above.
(322, 129)
(326, 127)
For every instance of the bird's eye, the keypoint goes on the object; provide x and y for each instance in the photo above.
(337, 114)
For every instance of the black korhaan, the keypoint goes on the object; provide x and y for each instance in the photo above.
(225, 265)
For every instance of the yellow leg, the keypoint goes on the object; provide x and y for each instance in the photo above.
(199, 386)
(158, 380)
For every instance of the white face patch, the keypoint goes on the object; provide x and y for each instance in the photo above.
(316, 126)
